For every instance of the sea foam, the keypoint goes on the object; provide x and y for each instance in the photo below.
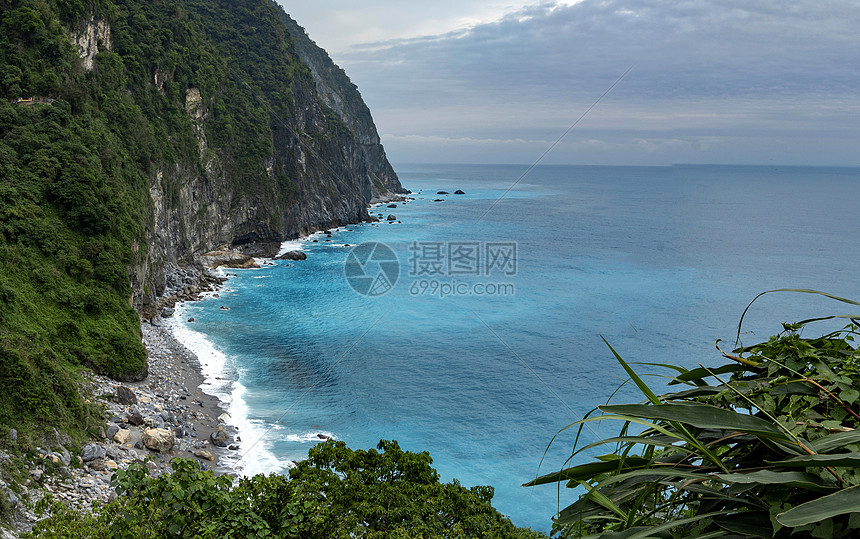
(221, 380)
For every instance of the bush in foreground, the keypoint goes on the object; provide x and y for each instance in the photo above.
(337, 492)
(764, 446)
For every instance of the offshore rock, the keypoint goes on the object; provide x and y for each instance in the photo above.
(220, 438)
(293, 255)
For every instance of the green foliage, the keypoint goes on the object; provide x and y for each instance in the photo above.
(75, 169)
(764, 446)
(337, 492)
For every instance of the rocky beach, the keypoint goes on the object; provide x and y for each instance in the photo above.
(165, 416)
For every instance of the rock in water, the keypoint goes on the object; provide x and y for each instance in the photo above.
(293, 255)
(125, 396)
(220, 438)
(160, 440)
(391, 217)
(441, 192)
(459, 192)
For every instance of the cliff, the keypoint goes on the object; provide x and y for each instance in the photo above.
(159, 131)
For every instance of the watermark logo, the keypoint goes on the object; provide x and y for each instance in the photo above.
(462, 258)
(372, 269)
(437, 268)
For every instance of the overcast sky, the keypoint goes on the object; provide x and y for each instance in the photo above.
(729, 81)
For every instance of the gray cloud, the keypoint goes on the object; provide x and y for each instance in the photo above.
(703, 70)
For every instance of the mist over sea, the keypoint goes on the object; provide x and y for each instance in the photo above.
(476, 332)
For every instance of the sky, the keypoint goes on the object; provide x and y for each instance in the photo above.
(629, 82)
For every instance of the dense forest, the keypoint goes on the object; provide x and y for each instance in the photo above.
(204, 103)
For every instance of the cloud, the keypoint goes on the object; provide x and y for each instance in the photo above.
(701, 68)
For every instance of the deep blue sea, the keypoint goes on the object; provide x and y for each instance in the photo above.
(489, 341)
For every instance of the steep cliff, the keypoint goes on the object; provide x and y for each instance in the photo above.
(135, 136)
(324, 164)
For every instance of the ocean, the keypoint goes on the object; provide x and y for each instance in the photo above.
(470, 326)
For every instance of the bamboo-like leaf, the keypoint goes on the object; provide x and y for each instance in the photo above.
(839, 503)
(699, 415)
(808, 461)
(653, 441)
(701, 373)
(835, 441)
(770, 477)
(589, 470)
(643, 532)
(603, 500)
(798, 290)
(643, 387)
(748, 524)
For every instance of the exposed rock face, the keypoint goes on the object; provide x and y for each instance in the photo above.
(335, 167)
(338, 93)
(88, 38)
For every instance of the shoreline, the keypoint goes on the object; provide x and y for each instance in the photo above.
(171, 398)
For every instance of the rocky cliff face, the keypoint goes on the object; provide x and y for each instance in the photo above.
(325, 165)
(337, 92)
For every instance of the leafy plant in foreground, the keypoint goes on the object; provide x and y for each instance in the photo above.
(764, 446)
(337, 492)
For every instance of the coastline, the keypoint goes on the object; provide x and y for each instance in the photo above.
(173, 397)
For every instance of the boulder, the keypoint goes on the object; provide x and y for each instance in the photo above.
(167, 312)
(135, 419)
(203, 454)
(438, 200)
(391, 217)
(125, 396)
(92, 452)
(293, 255)
(459, 192)
(220, 438)
(160, 440)
(112, 430)
(97, 465)
(13, 435)
(441, 192)
(391, 206)
(228, 258)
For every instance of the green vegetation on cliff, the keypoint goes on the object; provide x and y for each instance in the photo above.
(202, 99)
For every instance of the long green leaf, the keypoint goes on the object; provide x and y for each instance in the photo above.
(835, 441)
(699, 415)
(643, 387)
(798, 290)
(807, 461)
(603, 500)
(699, 374)
(770, 477)
(654, 531)
(839, 503)
(589, 470)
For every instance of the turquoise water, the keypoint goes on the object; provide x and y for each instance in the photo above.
(660, 261)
